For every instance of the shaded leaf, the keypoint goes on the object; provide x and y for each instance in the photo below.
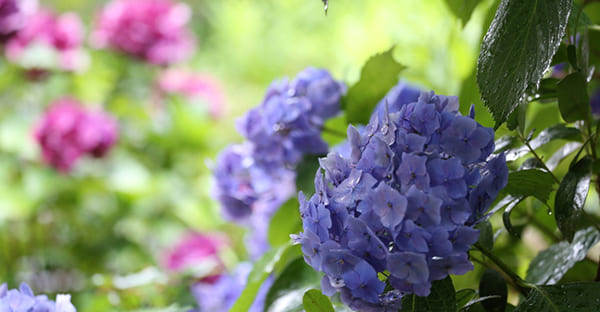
(558, 132)
(571, 196)
(377, 77)
(305, 174)
(284, 222)
(486, 235)
(572, 297)
(463, 296)
(462, 9)
(314, 301)
(286, 293)
(531, 182)
(441, 299)
(492, 284)
(510, 202)
(573, 100)
(550, 265)
(517, 50)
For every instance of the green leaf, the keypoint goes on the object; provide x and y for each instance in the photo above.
(334, 130)
(493, 284)
(517, 50)
(441, 299)
(463, 296)
(314, 301)
(571, 195)
(305, 174)
(262, 268)
(531, 182)
(284, 222)
(572, 297)
(550, 265)
(462, 9)
(486, 235)
(377, 77)
(557, 132)
(286, 293)
(573, 100)
(510, 202)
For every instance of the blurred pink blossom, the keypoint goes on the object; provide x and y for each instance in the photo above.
(194, 86)
(198, 253)
(13, 16)
(47, 41)
(67, 132)
(153, 30)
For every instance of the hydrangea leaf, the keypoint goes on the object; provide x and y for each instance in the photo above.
(492, 284)
(463, 296)
(305, 174)
(462, 9)
(517, 50)
(572, 297)
(531, 182)
(571, 196)
(286, 293)
(314, 301)
(377, 77)
(510, 202)
(486, 234)
(441, 299)
(550, 265)
(557, 132)
(573, 99)
(284, 222)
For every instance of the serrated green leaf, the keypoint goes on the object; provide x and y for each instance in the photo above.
(531, 182)
(571, 196)
(573, 100)
(286, 293)
(441, 299)
(314, 301)
(462, 9)
(558, 132)
(463, 296)
(516, 51)
(377, 77)
(284, 222)
(493, 284)
(550, 265)
(486, 235)
(572, 297)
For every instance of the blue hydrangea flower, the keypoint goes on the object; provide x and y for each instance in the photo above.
(23, 300)
(401, 200)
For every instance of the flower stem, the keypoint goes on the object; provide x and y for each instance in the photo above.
(517, 282)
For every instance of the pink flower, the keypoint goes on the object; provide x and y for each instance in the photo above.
(153, 30)
(49, 41)
(67, 132)
(198, 253)
(194, 86)
(13, 16)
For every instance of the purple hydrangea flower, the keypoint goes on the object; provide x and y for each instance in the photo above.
(595, 103)
(23, 299)
(402, 201)
(67, 132)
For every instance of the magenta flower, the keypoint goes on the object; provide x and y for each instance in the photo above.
(13, 16)
(194, 86)
(153, 30)
(197, 253)
(49, 41)
(67, 132)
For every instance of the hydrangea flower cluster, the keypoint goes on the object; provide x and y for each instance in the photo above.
(197, 253)
(49, 41)
(67, 131)
(221, 294)
(403, 204)
(23, 299)
(194, 87)
(254, 178)
(13, 16)
(153, 30)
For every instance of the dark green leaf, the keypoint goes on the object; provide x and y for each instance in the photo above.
(286, 293)
(486, 235)
(462, 9)
(262, 268)
(571, 195)
(560, 56)
(572, 297)
(315, 301)
(463, 296)
(517, 50)
(553, 133)
(532, 182)
(573, 100)
(510, 202)
(284, 222)
(572, 55)
(377, 77)
(548, 87)
(550, 265)
(305, 174)
(441, 299)
(493, 284)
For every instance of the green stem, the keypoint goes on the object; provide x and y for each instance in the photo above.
(539, 158)
(515, 280)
